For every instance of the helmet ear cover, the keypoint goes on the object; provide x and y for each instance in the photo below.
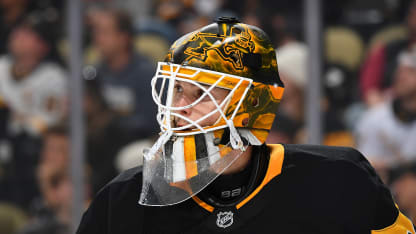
(258, 108)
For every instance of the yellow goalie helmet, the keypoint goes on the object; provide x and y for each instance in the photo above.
(228, 55)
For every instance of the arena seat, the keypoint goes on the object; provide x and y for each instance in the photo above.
(388, 34)
(343, 46)
(12, 219)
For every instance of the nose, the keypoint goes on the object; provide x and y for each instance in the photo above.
(180, 102)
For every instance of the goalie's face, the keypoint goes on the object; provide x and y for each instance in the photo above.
(186, 93)
(194, 100)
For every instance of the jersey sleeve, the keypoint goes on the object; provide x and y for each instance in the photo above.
(401, 225)
(372, 202)
(94, 219)
(387, 218)
(115, 209)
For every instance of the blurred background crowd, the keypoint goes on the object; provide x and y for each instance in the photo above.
(368, 100)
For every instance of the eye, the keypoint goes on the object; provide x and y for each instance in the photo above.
(178, 88)
(199, 93)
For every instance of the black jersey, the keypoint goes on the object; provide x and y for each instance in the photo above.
(292, 189)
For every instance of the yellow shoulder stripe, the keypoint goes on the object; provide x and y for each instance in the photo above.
(275, 168)
(402, 225)
(203, 204)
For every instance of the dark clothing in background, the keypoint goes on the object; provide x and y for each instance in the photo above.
(44, 221)
(19, 183)
(102, 148)
(128, 92)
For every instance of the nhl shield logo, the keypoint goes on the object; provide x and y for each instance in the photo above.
(225, 219)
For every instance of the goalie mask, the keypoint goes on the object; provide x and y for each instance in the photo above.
(217, 93)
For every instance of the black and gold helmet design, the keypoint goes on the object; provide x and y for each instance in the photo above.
(226, 54)
(231, 47)
(238, 49)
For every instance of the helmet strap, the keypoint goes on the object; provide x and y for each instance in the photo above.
(235, 138)
(149, 154)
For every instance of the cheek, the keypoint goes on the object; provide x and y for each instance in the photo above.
(102, 40)
(212, 119)
(17, 43)
(205, 108)
(114, 40)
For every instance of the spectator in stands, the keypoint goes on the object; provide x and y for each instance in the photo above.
(123, 73)
(387, 133)
(31, 86)
(379, 67)
(33, 89)
(292, 58)
(292, 69)
(403, 187)
(102, 147)
(51, 214)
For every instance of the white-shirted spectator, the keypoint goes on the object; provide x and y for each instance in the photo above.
(31, 86)
(387, 133)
